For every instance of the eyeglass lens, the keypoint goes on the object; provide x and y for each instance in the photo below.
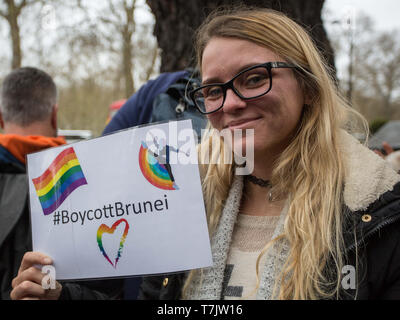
(250, 84)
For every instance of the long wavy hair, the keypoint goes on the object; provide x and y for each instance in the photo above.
(310, 172)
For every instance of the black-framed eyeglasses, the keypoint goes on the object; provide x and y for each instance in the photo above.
(250, 83)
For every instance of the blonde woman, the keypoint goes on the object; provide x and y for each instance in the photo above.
(318, 217)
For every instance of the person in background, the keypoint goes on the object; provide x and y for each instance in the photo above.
(28, 117)
(138, 108)
(394, 160)
(386, 150)
(390, 155)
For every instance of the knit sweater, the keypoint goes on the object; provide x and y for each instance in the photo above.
(249, 237)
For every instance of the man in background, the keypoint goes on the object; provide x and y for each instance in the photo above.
(28, 117)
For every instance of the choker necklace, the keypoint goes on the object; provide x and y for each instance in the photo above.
(258, 181)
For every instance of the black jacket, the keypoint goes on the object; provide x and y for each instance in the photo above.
(15, 237)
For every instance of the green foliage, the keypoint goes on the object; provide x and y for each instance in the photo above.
(375, 124)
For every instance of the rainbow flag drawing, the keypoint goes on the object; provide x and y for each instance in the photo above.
(153, 171)
(62, 177)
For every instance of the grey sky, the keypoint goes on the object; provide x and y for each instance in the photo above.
(385, 13)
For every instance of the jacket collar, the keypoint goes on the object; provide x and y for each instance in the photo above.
(371, 191)
(368, 176)
(14, 185)
(19, 146)
(8, 160)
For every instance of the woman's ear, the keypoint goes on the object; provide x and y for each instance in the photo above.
(307, 100)
(305, 89)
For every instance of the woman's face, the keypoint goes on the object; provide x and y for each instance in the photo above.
(274, 116)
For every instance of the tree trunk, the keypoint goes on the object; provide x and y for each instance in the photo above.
(16, 45)
(127, 66)
(12, 19)
(127, 33)
(176, 21)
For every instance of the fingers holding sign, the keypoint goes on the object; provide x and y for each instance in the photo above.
(31, 283)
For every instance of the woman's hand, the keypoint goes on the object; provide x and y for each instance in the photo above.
(27, 285)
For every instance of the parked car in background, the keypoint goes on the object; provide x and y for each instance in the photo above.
(78, 135)
(390, 133)
(75, 135)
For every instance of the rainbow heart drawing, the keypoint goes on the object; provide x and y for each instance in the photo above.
(105, 229)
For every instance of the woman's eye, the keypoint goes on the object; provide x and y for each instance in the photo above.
(214, 92)
(256, 79)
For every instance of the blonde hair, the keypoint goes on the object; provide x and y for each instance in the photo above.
(310, 171)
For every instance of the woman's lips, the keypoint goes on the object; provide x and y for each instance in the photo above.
(242, 124)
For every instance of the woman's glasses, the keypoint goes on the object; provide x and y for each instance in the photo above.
(248, 84)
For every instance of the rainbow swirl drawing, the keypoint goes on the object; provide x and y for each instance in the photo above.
(105, 229)
(155, 172)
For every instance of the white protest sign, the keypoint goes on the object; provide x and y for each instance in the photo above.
(125, 204)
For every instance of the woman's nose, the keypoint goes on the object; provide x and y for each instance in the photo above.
(233, 102)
